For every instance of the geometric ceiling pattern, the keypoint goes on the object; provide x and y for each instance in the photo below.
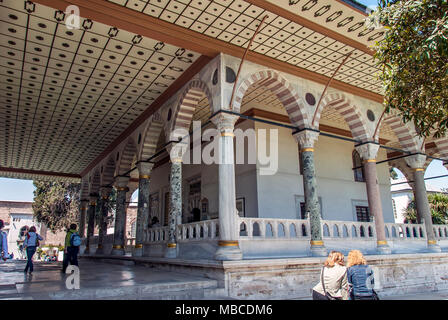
(67, 94)
(235, 21)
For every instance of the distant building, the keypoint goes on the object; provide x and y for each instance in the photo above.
(18, 215)
(402, 195)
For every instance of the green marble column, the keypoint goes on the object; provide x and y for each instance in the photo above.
(121, 185)
(306, 140)
(144, 170)
(90, 222)
(105, 193)
(175, 206)
(83, 217)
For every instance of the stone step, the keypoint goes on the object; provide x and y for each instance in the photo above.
(142, 290)
(192, 294)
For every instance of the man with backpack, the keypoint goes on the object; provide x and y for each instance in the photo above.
(72, 243)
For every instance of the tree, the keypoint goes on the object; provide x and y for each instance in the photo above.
(393, 174)
(56, 204)
(111, 204)
(438, 203)
(413, 58)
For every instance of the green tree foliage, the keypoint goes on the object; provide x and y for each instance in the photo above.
(111, 204)
(413, 58)
(438, 203)
(56, 204)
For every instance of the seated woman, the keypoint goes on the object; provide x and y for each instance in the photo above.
(333, 279)
(360, 277)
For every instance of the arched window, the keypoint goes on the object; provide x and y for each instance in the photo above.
(358, 169)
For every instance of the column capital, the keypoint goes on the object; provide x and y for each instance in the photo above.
(416, 161)
(121, 182)
(224, 122)
(306, 138)
(368, 151)
(105, 192)
(144, 168)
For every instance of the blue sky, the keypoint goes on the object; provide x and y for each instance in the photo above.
(22, 190)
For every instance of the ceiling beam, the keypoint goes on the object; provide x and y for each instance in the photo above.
(268, 6)
(132, 21)
(39, 172)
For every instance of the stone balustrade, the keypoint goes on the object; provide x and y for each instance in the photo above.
(130, 241)
(348, 229)
(155, 235)
(440, 231)
(404, 231)
(254, 228)
(207, 229)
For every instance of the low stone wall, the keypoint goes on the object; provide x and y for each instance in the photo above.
(294, 278)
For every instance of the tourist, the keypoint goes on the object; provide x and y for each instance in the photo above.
(333, 283)
(4, 255)
(71, 248)
(360, 277)
(30, 245)
(155, 222)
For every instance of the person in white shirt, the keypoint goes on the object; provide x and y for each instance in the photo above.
(333, 283)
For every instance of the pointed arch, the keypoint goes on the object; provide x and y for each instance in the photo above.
(107, 172)
(442, 146)
(188, 101)
(406, 136)
(127, 156)
(150, 137)
(350, 113)
(95, 180)
(282, 89)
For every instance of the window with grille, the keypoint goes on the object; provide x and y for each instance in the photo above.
(362, 214)
(358, 169)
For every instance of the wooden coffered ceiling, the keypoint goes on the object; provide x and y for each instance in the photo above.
(65, 95)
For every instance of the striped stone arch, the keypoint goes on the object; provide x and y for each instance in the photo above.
(187, 104)
(405, 169)
(127, 155)
(407, 137)
(282, 89)
(442, 147)
(150, 138)
(84, 189)
(107, 172)
(350, 113)
(95, 181)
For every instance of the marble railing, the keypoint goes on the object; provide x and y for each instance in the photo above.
(440, 231)
(259, 228)
(130, 241)
(404, 231)
(347, 229)
(159, 234)
(274, 228)
(207, 229)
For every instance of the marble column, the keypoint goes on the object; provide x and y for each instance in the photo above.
(82, 218)
(91, 221)
(105, 193)
(121, 185)
(175, 205)
(368, 153)
(228, 245)
(417, 163)
(144, 170)
(306, 139)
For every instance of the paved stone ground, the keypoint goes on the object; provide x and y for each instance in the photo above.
(113, 281)
(98, 281)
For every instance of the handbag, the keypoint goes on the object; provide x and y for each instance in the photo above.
(327, 295)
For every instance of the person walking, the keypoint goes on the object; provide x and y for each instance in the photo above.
(333, 283)
(360, 277)
(30, 245)
(4, 255)
(72, 243)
